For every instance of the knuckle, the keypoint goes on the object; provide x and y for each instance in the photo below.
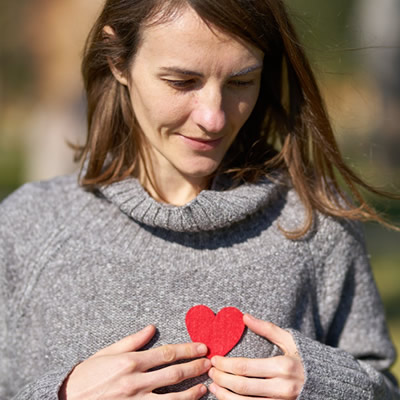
(292, 368)
(281, 367)
(291, 389)
(189, 351)
(127, 386)
(168, 353)
(133, 364)
(128, 363)
(194, 394)
(204, 366)
(189, 394)
(240, 386)
(240, 367)
(289, 367)
(197, 368)
(175, 375)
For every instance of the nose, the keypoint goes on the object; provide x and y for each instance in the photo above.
(208, 112)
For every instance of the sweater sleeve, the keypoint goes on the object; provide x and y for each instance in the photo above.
(15, 237)
(44, 388)
(353, 355)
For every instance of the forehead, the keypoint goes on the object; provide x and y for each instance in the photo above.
(187, 38)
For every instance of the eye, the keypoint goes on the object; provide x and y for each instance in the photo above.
(242, 83)
(181, 84)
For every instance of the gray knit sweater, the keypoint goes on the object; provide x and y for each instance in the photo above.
(79, 271)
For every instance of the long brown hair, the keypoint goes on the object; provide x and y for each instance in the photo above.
(289, 128)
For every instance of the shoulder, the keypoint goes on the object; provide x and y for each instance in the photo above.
(327, 235)
(340, 265)
(38, 194)
(38, 199)
(38, 210)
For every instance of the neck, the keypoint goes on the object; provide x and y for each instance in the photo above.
(174, 189)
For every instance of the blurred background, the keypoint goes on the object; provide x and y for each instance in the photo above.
(354, 46)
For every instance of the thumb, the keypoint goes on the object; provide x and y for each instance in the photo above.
(283, 339)
(129, 343)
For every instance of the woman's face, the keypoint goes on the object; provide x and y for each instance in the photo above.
(192, 89)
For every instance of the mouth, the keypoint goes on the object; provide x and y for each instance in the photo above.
(201, 144)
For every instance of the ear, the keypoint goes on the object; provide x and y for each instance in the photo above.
(118, 74)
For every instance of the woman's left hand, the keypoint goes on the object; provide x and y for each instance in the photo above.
(280, 377)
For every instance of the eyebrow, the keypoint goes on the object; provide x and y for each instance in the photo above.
(181, 71)
(247, 70)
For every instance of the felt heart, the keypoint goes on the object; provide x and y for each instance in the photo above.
(220, 333)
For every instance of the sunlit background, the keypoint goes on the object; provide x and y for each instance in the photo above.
(352, 45)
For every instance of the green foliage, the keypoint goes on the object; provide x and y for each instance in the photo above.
(387, 275)
(327, 31)
(11, 170)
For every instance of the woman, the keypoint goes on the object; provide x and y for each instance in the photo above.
(207, 179)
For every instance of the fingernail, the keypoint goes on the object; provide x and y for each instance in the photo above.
(202, 348)
(250, 317)
(212, 388)
(214, 360)
(203, 389)
(148, 328)
(211, 373)
(207, 363)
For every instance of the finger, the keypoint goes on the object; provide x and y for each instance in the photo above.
(130, 343)
(276, 387)
(168, 354)
(277, 391)
(238, 384)
(283, 339)
(256, 368)
(193, 393)
(223, 394)
(176, 373)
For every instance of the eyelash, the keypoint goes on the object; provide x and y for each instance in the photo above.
(181, 84)
(242, 83)
(189, 84)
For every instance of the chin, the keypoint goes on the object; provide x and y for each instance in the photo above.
(201, 171)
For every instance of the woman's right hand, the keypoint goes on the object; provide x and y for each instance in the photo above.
(121, 372)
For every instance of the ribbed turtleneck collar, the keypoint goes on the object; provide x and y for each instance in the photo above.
(211, 209)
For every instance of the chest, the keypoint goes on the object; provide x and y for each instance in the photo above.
(81, 301)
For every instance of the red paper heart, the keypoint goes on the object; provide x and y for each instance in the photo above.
(220, 333)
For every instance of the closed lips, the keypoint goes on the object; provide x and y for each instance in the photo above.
(202, 140)
(201, 144)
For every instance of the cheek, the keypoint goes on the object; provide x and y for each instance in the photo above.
(246, 105)
(156, 112)
(172, 113)
(244, 110)
(164, 112)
